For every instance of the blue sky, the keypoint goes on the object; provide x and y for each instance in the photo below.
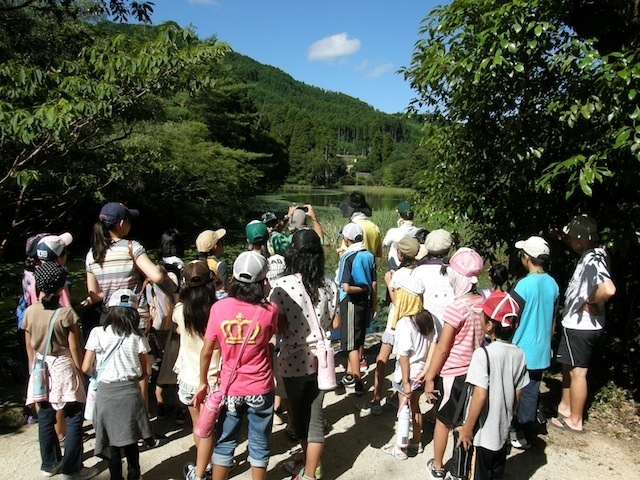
(349, 46)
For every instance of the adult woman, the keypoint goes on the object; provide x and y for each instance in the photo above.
(304, 276)
(64, 360)
(242, 325)
(461, 334)
(114, 263)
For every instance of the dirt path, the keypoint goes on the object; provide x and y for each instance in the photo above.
(608, 450)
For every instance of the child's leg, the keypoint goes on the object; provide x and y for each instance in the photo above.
(440, 437)
(115, 463)
(354, 364)
(416, 417)
(381, 370)
(203, 457)
(133, 461)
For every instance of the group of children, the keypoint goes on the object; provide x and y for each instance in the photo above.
(446, 335)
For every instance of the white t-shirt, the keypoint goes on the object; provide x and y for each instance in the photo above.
(409, 342)
(125, 363)
(438, 292)
(508, 374)
(299, 337)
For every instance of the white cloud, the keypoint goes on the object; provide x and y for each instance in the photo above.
(362, 66)
(333, 46)
(203, 2)
(379, 70)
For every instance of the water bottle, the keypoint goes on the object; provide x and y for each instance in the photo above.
(404, 424)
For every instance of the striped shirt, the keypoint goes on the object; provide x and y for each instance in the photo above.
(118, 270)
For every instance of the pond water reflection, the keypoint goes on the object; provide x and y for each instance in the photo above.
(377, 198)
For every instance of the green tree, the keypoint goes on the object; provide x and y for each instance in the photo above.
(534, 124)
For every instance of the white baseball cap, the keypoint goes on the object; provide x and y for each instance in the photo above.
(534, 246)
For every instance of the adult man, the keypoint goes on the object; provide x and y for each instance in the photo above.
(405, 228)
(356, 208)
(537, 294)
(583, 318)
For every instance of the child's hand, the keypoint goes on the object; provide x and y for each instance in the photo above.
(200, 395)
(465, 437)
(430, 391)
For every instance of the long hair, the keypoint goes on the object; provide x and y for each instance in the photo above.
(423, 321)
(310, 265)
(247, 292)
(100, 241)
(196, 304)
(123, 320)
(171, 244)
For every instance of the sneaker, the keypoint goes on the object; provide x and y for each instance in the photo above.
(164, 410)
(364, 365)
(50, 472)
(348, 380)
(83, 474)
(277, 419)
(296, 467)
(179, 416)
(373, 408)
(31, 420)
(359, 387)
(436, 473)
(519, 442)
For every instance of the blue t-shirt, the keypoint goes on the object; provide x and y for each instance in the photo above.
(537, 295)
(357, 268)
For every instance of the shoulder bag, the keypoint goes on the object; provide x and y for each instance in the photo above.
(40, 380)
(461, 461)
(324, 350)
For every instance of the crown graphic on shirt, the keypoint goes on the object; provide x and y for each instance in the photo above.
(234, 331)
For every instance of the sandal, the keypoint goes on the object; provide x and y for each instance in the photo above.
(415, 448)
(393, 450)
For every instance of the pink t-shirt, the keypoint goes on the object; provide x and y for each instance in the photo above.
(228, 323)
(464, 315)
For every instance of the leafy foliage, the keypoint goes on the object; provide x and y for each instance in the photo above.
(536, 125)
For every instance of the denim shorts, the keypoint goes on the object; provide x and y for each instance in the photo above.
(259, 412)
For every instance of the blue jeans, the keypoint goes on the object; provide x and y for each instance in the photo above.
(260, 417)
(49, 444)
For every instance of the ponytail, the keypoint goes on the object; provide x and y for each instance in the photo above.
(100, 241)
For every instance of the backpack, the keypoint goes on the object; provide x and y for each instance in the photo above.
(161, 302)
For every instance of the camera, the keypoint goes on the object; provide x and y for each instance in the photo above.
(304, 209)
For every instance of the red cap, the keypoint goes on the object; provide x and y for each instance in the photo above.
(501, 307)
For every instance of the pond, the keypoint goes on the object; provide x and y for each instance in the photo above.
(378, 198)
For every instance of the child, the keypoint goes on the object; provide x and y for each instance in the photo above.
(117, 355)
(406, 251)
(64, 358)
(250, 387)
(356, 278)
(497, 387)
(210, 247)
(498, 276)
(413, 345)
(197, 294)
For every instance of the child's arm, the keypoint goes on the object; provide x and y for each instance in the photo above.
(30, 351)
(406, 381)
(337, 320)
(353, 289)
(423, 373)
(478, 399)
(440, 354)
(205, 360)
(75, 345)
(87, 363)
(374, 298)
